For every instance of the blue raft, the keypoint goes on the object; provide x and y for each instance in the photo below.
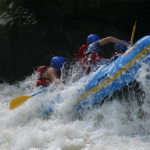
(119, 73)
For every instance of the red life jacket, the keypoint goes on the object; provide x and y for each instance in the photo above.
(92, 58)
(81, 53)
(115, 54)
(44, 81)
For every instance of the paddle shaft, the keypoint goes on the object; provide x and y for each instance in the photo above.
(39, 92)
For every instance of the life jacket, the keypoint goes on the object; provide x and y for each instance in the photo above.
(91, 55)
(88, 60)
(81, 53)
(115, 54)
(44, 81)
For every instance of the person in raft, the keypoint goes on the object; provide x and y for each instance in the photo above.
(119, 50)
(92, 53)
(47, 75)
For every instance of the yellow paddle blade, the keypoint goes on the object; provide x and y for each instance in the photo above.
(133, 31)
(18, 101)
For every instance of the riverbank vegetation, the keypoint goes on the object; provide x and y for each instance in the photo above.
(3, 6)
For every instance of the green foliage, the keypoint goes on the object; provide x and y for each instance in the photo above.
(3, 6)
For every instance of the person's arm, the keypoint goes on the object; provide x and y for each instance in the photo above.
(114, 40)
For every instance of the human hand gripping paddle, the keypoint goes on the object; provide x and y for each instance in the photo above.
(22, 99)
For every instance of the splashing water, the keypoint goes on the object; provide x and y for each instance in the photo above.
(123, 123)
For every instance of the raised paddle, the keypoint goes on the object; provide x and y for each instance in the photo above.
(22, 99)
(133, 31)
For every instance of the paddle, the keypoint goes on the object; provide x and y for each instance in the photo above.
(133, 31)
(22, 99)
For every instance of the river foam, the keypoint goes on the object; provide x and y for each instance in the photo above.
(122, 123)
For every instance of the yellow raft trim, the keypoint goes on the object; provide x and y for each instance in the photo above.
(116, 75)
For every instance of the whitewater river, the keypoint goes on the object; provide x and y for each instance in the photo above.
(120, 124)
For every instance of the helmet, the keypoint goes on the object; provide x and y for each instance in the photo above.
(57, 62)
(92, 38)
(120, 47)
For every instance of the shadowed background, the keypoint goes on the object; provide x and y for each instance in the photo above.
(33, 31)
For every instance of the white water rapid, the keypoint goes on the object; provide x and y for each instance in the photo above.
(120, 124)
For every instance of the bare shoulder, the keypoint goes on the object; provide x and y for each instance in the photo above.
(51, 70)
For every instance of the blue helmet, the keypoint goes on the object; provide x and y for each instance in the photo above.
(121, 47)
(92, 38)
(57, 62)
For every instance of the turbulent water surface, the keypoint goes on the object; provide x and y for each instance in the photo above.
(120, 124)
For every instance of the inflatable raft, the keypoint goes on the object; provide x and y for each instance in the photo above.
(119, 73)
